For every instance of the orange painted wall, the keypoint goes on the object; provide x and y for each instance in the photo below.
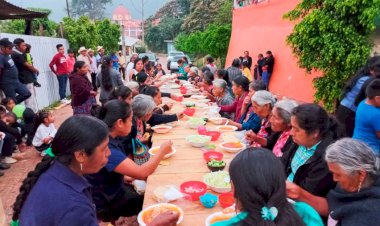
(258, 28)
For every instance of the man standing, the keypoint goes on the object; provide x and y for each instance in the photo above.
(248, 59)
(9, 80)
(83, 56)
(268, 67)
(259, 66)
(94, 68)
(61, 71)
(100, 55)
(26, 72)
(122, 65)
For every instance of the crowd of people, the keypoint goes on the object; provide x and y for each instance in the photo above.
(328, 166)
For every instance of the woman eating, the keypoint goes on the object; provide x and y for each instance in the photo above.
(113, 198)
(82, 93)
(280, 123)
(158, 116)
(107, 79)
(262, 104)
(258, 185)
(303, 155)
(240, 87)
(249, 120)
(356, 200)
(57, 182)
(122, 93)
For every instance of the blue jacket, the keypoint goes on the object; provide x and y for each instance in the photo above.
(253, 122)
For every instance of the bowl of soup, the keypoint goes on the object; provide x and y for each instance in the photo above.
(147, 215)
(154, 151)
(232, 146)
(218, 217)
(161, 129)
(226, 128)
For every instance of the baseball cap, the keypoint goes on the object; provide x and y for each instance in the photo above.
(6, 43)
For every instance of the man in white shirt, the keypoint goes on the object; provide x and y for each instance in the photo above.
(83, 56)
(94, 68)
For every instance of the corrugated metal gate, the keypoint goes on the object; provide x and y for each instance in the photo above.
(43, 50)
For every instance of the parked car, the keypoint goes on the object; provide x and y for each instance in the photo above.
(171, 55)
(174, 65)
(152, 57)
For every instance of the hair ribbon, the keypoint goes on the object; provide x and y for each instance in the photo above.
(269, 214)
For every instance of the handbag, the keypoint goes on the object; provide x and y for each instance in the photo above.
(140, 153)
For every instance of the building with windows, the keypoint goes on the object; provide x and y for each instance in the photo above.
(132, 27)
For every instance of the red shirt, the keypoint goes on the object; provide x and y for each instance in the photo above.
(235, 107)
(60, 61)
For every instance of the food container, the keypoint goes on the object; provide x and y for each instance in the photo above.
(219, 181)
(226, 199)
(161, 129)
(217, 217)
(194, 189)
(153, 151)
(208, 200)
(217, 121)
(145, 216)
(212, 155)
(226, 128)
(216, 168)
(232, 146)
(198, 141)
(202, 130)
(213, 134)
(189, 111)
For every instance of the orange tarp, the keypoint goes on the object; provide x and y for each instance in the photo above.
(261, 27)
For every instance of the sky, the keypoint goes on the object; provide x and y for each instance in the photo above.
(58, 7)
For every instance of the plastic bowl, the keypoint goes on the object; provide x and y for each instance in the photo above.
(197, 185)
(152, 151)
(161, 128)
(232, 149)
(202, 130)
(197, 144)
(165, 205)
(189, 111)
(226, 128)
(217, 168)
(208, 200)
(213, 134)
(212, 155)
(226, 199)
(206, 179)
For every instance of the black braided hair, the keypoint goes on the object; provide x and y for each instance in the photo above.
(76, 133)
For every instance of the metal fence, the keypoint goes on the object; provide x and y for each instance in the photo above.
(43, 50)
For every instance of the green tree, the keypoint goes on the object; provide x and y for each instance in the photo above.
(92, 8)
(333, 37)
(108, 34)
(80, 32)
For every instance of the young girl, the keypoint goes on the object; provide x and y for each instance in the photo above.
(45, 131)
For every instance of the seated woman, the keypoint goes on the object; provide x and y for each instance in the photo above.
(222, 96)
(355, 201)
(303, 155)
(280, 123)
(137, 68)
(113, 198)
(158, 116)
(79, 147)
(259, 190)
(134, 86)
(240, 87)
(206, 85)
(249, 120)
(159, 71)
(262, 103)
(122, 93)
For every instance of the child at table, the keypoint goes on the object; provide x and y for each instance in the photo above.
(45, 131)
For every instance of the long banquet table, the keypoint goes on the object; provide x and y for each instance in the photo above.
(186, 165)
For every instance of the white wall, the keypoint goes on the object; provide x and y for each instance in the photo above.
(43, 50)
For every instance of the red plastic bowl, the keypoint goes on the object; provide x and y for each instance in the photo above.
(189, 111)
(213, 134)
(213, 155)
(226, 199)
(202, 130)
(194, 185)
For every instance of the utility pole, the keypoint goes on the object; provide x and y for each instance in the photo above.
(142, 24)
(68, 9)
